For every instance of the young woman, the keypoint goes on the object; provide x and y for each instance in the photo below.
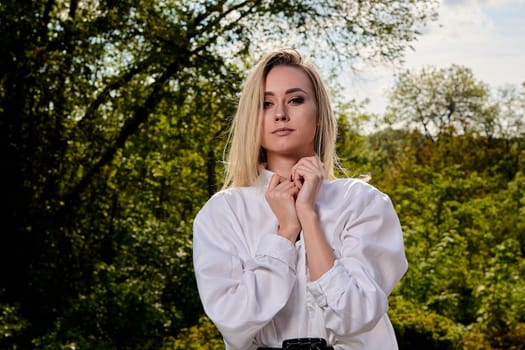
(286, 252)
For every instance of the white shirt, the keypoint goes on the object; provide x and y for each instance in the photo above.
(255, 286)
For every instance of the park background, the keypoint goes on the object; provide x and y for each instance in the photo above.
(113, 118)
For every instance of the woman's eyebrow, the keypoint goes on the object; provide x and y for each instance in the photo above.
(289, 91)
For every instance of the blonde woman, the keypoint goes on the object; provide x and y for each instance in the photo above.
(286, 256)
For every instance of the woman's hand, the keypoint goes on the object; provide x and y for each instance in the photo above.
(307, 175)
(280, 195)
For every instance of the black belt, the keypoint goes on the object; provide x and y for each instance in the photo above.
(301, 344)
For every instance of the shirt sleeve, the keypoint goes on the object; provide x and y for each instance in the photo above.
(240, 292)
(353, 294)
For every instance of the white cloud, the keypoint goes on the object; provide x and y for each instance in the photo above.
(487, 36)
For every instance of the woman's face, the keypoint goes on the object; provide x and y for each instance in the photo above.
(290, 113)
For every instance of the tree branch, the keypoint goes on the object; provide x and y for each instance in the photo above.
(216, 31)
(103, 96)
(130, 127)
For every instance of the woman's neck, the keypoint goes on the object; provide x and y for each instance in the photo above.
(282, 165)
(282, 168)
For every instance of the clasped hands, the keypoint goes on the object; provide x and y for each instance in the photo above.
(293, 199)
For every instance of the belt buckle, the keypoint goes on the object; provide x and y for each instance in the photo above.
(304, 344)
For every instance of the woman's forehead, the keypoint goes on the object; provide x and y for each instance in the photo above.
(282, 79)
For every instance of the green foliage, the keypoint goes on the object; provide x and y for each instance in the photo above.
(352, 147)
(420, 328)
(202, 336)
(12, 324)
(460, 201)
(502, 296)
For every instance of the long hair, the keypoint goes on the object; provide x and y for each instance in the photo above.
(244, 156)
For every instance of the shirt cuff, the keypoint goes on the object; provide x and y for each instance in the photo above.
(331, 284)
(277, 247)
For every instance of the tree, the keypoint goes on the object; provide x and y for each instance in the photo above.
(112, 117)
(443, 101)
(461, 204)
(459, 196)
(512, 110)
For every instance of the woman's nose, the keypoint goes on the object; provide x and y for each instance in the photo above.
(281, 115)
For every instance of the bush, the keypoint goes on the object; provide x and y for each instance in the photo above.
(419, 328)
(203, 336)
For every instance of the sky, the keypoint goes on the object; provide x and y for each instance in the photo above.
(487, 36)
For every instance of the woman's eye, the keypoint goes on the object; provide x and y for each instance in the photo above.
(267, 104)
(297, 100)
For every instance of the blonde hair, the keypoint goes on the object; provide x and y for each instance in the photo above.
(245, 156)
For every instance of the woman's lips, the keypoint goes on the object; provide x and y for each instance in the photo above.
(282, 131)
